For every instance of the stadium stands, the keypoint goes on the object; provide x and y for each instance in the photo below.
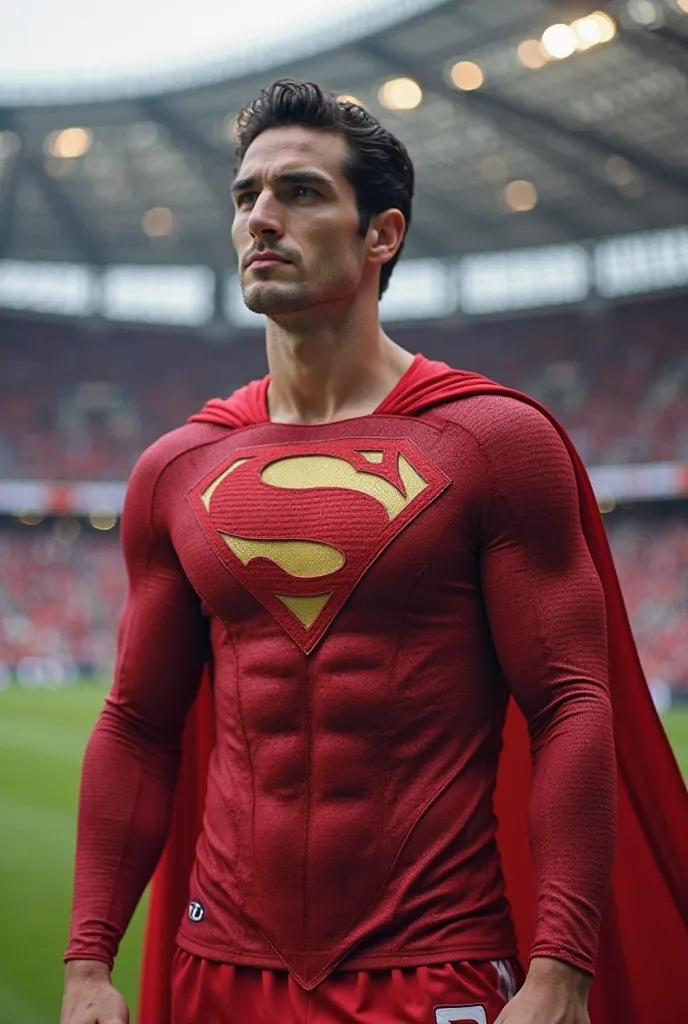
(61, 593)
(60, 598)
(79, 403)
(651, 555)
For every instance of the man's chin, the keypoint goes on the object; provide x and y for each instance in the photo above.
(271, 299)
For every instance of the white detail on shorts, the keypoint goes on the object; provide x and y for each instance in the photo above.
(507, 982)
(449, 1014)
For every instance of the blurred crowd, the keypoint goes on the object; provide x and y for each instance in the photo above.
(61, 596)
(81, 402)
(60, 600)
(651, 556)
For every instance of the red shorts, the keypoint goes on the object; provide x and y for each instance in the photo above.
(216, 993)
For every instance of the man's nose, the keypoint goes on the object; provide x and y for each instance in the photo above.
(264, 218)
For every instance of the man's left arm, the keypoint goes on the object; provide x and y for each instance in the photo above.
(547, 616)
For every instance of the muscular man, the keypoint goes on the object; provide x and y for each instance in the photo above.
(367, 579)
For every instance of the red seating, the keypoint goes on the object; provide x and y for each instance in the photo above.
(62, 601)
(81, 404)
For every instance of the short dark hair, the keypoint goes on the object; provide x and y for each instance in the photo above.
(378, 164)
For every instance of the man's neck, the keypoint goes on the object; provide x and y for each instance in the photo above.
(325, 372)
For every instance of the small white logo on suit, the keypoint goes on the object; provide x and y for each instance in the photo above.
(196, 911)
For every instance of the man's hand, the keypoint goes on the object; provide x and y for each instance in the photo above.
(553, 993)
(89, 997)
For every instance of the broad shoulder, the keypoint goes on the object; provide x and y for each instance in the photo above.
(501, 424)
(165, 452)
(525, 465)
(145, 513)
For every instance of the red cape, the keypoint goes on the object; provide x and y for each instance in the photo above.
(644, 936)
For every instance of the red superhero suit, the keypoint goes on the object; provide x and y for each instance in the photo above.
(348, 573)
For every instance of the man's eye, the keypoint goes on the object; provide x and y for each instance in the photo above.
(245, 199)
(304, 192)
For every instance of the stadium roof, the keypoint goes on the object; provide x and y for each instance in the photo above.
(508, 154)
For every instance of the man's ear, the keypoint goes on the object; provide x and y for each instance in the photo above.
(385, 235)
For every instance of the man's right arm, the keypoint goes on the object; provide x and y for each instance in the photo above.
(132, 758)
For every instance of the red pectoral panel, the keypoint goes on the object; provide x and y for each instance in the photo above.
(300, 524)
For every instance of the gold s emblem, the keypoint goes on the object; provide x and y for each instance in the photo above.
(300, 524)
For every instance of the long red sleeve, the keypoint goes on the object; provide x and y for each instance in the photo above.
(546, 611)
(132, 758)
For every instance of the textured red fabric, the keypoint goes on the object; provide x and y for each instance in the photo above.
(251, 406)
(170, 892)
(406, 697)
(217, 993)
(644, 933)
(418, 874)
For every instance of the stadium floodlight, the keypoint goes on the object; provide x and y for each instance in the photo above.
(29, 518)
(69, 144)
(69, 289)
(346, 97)
(594, 30)
(467, 76)
(158, 222)
(588, 33)
(644, 12)
(418, 290)
(644, 262)
(520, 196)
(103, 520)
(494, 282)
(523, 279)
(163, 294)
(400, 94)
(559, 41)
(606, 25)
(682, 5)
(531, 54)
(618, 170)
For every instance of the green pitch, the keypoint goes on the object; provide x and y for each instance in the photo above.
(42, 737)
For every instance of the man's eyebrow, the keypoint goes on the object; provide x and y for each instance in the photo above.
(288, 177)
(239, 184)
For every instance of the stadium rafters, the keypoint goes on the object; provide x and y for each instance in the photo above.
(592, 134)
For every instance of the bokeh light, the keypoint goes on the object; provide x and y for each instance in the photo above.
(400, 94)
(531, 54)
(103, 520)
(559, 41)
(69, 143)
(618, 170)
(588, 32)
(644, 12)
(467, 76)
(606, 25)
(520, 196)
(158, 222)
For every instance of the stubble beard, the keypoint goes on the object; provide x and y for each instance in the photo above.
(266, 297)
